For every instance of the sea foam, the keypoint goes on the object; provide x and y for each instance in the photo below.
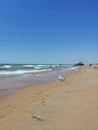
(5, 66)
(19, 72)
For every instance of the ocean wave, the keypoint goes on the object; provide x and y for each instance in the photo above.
(39, 66)
(28, 66)
(19, 72)
(73, 68)
(33, 66)
(36, 66)
(46, 66)
(5, 66)
(42, 65)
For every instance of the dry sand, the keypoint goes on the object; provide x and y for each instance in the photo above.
(68, 105)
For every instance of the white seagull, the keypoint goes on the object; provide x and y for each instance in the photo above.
(61, 78)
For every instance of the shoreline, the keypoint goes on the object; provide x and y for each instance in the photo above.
(70, 105)
(13, 85)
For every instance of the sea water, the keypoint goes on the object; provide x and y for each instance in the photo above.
(14, 77)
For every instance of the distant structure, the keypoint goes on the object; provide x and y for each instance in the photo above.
(90, 64)
(79, 63)
(61, 78)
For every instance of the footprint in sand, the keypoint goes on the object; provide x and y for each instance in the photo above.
(37, 118)
(6, 110)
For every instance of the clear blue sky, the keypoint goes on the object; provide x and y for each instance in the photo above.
(48, 31)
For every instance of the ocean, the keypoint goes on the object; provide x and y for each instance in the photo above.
(14, 77)
(14, 70)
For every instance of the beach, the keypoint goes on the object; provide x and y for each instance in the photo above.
(68, 105)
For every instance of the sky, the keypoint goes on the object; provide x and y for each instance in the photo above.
(48, 31)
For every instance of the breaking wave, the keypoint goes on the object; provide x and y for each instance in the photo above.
(19, 72)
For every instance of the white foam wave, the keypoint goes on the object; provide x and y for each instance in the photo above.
(73, 68)
(19, 72)
(5, 66)
(41, 65)
(28, 65)
(53, 66)
(37, 67)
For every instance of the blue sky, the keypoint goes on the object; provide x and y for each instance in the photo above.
(48, 31)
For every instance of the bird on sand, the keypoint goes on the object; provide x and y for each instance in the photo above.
(61, 78)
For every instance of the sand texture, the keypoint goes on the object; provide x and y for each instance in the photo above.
(68, 105)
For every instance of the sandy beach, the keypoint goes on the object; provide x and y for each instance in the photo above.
(68, 105)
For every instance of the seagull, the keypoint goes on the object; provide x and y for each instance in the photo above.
(61, 78)
(76, 70)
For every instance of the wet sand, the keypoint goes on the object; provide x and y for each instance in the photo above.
(68, 105)
(12, 85)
